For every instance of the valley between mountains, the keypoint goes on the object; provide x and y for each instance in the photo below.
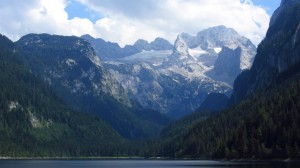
(209, 95)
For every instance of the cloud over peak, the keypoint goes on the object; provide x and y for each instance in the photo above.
(126, 21)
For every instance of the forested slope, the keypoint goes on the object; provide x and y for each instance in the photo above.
(34, 122)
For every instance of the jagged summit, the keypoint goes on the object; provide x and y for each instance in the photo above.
(196, 66)
(180, 50)
(205, 53)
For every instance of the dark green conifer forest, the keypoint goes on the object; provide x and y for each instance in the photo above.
(266, 125)
(34, 122)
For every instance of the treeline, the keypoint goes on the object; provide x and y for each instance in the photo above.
(263, 126)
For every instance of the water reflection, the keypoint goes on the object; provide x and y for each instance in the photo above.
(141, 164)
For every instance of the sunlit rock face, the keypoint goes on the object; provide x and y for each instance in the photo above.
(176, 79)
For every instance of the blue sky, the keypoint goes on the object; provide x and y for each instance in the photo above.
(125, 21)
(77, 9)
(269, 5)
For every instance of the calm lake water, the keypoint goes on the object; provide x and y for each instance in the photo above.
(140, 164)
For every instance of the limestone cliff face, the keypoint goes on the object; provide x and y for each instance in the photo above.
(176, 82)
(278, 55)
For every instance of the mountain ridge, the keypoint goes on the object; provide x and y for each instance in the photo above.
(111, 51)
(189, 66)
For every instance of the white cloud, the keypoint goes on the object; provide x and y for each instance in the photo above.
(171, 17)
(125, 21)
(43, 16)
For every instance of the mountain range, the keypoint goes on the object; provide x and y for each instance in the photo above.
(176, 80)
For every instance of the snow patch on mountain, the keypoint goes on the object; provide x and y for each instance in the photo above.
(183, 77)
(218, 50)
(197, 52)
(148, 56)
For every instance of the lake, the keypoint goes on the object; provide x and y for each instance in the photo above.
(141, 164)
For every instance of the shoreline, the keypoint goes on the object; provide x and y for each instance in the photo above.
(146, 158)
(71, 158)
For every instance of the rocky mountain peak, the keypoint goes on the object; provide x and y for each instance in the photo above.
(181, 55)
(205, 50)
(219, 32)
(219, 36)
(180, 47)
